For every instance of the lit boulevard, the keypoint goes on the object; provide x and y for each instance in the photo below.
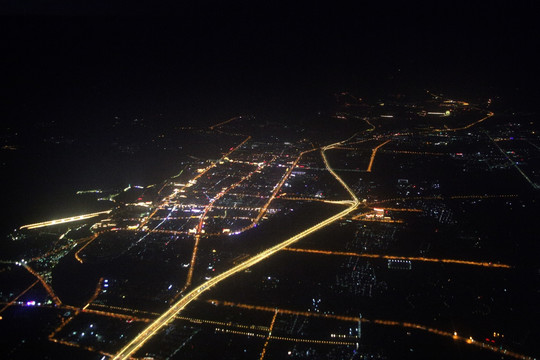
(489, 114)
(224, 122)
(455, 197)
(89, 241)
(514, 164)
(278, 187)
(373, 153)
(391, 257)
(18, 296)
(47, 287)
(64, 220)
(336, 202)
(269, 334)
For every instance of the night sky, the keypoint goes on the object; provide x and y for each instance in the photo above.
(95, 58)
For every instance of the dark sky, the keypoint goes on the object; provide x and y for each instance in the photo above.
(61, 58)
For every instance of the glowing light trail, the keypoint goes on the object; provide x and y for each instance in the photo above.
(455, 197)
(224, 122)
(90, 240)
(269, 335)
(87, 348)
(282, 338)
(278, 187)
(489, 114)
(95, 294)
(64, 220)
(414, 152)
(514, 164)
(391, 257)
(18, 296)
(337, 202)
(170, 314)
(373, 153)
(55, 298)
(283, 311)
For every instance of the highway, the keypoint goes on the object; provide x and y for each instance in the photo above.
(64, 220)
(514, 164)
(47, 287)
(489, 114)
(373, 153)
(440, 197)
(270, 328)
(224, 122)
(17, 297)
(464, 104)
(279, 186)
(171, 313)
(89, 241)
(409, 258)
(337, 202)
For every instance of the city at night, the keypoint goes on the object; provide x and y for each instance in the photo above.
(269, 181)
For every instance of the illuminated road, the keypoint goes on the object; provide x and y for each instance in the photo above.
(337, 202)
(373, 153)
(269, 335)
(403, 209)
(489, 114)
(465, 104)
(514, 164)
(455, 197)
(90, 240)
(284, 311)
(414, 152)
(224, 122)
(17, 297)
(283, 338)
(410, 258)
(95, 294)
(64, 220)
(169, 315)
(47, 287)
(379, 220)
(279, 186)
